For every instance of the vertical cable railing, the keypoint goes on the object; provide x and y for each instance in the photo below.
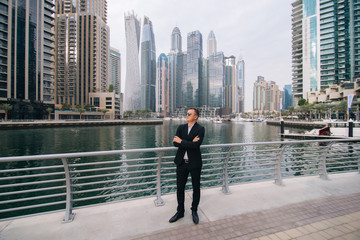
(43, 183)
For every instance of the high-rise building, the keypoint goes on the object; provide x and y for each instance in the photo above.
(148, 67)
(27, 57)
(230, 84)
(287, 97)
(266, 95)
(240, 86)
(212, 45)
(115, 70)
(193, 76)
(216, 70)
(82, 50)
(162, 87)
(325, 44)
(176, 70)
(132, 97)
(176, 41)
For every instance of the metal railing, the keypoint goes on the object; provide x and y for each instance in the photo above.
(43, 183)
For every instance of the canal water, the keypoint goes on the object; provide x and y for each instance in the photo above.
(25, 142)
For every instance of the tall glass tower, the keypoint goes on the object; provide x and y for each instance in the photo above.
(27, 57)
(132, 80)
(240, 86)
(192, 81)
(212, 45)
(325, 44)
(176, 70)
(162, 91)
(216, 73)
(230, 84)
(148, 67)
(82, 50)
(115, 70)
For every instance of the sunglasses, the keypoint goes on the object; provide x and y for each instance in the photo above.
(189, 114)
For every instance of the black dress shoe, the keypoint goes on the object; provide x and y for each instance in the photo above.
(176, 217)
(195, 217)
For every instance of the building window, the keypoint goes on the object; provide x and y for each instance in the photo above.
(96, 102)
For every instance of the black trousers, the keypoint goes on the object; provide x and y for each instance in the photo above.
(182, 173)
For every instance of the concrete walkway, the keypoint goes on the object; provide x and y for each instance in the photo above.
(305, 208)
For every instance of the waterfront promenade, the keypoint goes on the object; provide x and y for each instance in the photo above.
(304, 208)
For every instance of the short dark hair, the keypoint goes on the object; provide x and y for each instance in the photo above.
(196, 111)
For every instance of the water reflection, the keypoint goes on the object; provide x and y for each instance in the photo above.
(83, 139)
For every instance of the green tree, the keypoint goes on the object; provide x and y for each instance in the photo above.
(111, 88)
(6, 107)
(128, 114)
(80, 110)
(302, 102)
(49, 110)
(66, 107)
(104, 111)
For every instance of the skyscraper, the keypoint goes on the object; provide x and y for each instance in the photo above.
(176, 41)
(82, 50)
(240, 86)
(115, 70)
(162, 91)
(230, 84)
(148, 67)
(266, 95)
(325, 44)
(176, 70)
(212, 45)
(193, 76)
(287, 96)
(27, 57)
(132, 97)
(216, 73)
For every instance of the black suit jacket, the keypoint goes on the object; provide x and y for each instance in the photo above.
(187, 144)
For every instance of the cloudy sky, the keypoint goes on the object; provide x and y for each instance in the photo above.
(257, 30)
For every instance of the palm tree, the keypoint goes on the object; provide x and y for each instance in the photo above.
(128, 114)
(104, 111)
(80, 110)
(49, 110)
(6, 107)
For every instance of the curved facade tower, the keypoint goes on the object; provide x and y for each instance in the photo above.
(148, 67)
(132, 79)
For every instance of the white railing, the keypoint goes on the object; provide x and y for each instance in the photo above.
(42, 183)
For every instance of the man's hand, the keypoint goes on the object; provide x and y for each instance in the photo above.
(196, 139)
(177, 139)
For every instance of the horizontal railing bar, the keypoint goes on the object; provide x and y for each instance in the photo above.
(113, 195)
(33, 198)
(31, 176)
(112, 168)
(111, 174)
(110, 181)
(349, 166)
(252, 176)
(32, 206)
(162, 149)
(31, 169)
(337, 163)
(113, 187)
(31, 183)
(32, 190)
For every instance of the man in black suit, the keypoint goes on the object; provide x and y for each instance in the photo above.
(188, 139)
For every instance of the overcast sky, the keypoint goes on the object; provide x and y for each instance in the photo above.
(258, 30)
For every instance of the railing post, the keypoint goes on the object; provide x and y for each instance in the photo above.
(159, 201)
(225, 186)
(69, 216)
(322, 164)
(278, 178)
